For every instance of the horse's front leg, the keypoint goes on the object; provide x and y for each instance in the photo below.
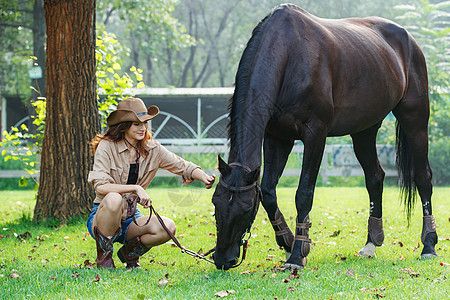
(312, 157)
(276, 153)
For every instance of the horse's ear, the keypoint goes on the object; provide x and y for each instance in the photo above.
(224, 168)
(254, 175)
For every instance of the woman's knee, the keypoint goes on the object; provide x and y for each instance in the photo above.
(170, 224)
(113, 202)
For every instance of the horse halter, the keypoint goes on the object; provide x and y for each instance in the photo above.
(244, 242)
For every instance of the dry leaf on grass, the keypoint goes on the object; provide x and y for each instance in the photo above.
(442, 277)
(410, 272)
(335, 233)
(224, 293)
(350, 273)
(96, 279)
(163, 282)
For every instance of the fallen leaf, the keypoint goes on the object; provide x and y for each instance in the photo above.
(378, 295)
(88, 264)
(23, 236)
(286, 280)
(410, 272)
(75, 275)
(442, 277)
(247, 272)
(291, 288)
(350, 273)
(163, 282)
(335, 233)
(44, 261)
(14, 275)
(400, 244)
(96, 279)
(294, 274)
(221, 294)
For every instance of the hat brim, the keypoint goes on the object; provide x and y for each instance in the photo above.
(125, 115)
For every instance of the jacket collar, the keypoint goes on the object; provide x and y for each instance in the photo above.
(122, 145)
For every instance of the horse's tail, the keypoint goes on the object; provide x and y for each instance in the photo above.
(405, 169)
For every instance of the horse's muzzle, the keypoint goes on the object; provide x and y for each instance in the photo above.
(223, 263)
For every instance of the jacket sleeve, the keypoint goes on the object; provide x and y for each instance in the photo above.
(175, 164)
(101, 171)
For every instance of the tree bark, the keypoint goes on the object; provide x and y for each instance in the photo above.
(72, 113)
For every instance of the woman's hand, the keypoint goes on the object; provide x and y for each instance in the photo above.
(202, 176)
(143, 196)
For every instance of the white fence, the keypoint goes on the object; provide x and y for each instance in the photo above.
(338, 160)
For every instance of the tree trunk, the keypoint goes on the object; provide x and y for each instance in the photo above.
(72, 113)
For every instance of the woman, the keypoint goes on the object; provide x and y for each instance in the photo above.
(126, 159)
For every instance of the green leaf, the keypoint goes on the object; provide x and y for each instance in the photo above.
(23, 182)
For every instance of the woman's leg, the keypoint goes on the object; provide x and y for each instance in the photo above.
(106, 228)
(139, 239)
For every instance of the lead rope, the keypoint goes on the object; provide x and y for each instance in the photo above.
(175, 240)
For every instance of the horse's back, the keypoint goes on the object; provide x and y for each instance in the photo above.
(357, 69)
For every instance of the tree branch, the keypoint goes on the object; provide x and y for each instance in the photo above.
(29, 11)
(15, 25)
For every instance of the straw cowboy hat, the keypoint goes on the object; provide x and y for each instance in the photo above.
(132, 109)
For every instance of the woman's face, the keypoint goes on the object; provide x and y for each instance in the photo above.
(137, 131)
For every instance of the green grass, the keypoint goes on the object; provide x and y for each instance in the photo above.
(50, 263)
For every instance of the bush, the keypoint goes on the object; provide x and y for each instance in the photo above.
(439, 157)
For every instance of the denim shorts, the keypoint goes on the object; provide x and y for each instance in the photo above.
(124, 224)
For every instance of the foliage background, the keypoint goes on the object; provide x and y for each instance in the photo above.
(198, 43)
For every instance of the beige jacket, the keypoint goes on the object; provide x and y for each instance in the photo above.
(112, 165)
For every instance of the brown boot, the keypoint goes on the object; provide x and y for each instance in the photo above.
(105, 248)
(131, 251)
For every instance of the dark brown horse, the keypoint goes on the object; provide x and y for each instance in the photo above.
(305, 78)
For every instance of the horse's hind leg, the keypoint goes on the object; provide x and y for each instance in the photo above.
(412, 114)
(276, 153)
(364, 144)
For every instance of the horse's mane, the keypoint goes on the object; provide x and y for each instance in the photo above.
(236, 102)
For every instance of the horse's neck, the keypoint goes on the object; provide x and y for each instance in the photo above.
(247, 138)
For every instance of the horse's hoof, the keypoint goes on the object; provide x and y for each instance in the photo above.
(288, 254)
(429, 255)
(293, 266)
(367, 251)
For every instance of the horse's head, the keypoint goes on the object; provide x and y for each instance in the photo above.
(236, 200)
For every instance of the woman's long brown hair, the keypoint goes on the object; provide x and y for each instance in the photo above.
(116, 133)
